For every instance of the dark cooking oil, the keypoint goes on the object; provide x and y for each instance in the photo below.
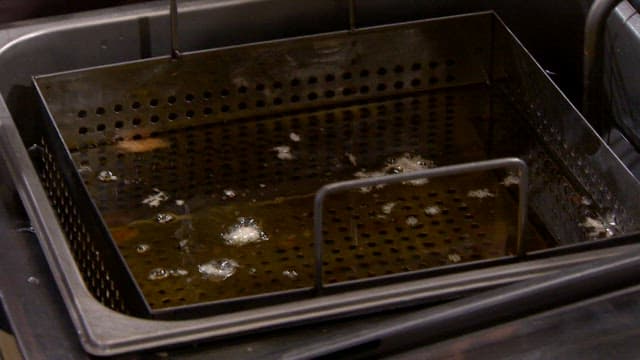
(225, 210)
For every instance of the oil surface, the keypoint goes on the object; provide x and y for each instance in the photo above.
(224, 210)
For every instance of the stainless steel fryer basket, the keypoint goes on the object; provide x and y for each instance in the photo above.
(456, 66)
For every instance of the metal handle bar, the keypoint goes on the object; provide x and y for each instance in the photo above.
(318, 204)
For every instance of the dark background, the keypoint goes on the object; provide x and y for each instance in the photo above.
(15, 10)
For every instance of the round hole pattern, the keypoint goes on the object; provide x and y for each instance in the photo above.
(261, 96)
(205, 160)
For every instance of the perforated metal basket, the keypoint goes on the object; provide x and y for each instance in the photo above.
(249, 134)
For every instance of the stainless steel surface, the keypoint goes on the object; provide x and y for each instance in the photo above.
(553, 290)
(593, 54)
(444, 171)
(604, 327)
(112, 130)
(214, 147)
(324, 71)
(28, 293)
(621, 75)
(32, 305)
(600, 327)
(78, 41)
(571, 137)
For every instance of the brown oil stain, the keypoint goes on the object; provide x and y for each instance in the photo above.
(143, 145)
(122, 235)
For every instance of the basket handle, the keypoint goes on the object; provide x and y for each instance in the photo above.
(352, 15)
(173, 24)
(442, 171)
(173, 19)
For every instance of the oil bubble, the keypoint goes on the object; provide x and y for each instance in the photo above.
(107, 176)
(164, 218)
(143, 248)
(158, 274)
(291, 274)
(218, 270)
(245, 231)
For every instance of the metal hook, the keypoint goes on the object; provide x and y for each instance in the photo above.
(352, 15)
(173, 15)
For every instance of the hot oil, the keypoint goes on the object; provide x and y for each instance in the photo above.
(233, 212)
